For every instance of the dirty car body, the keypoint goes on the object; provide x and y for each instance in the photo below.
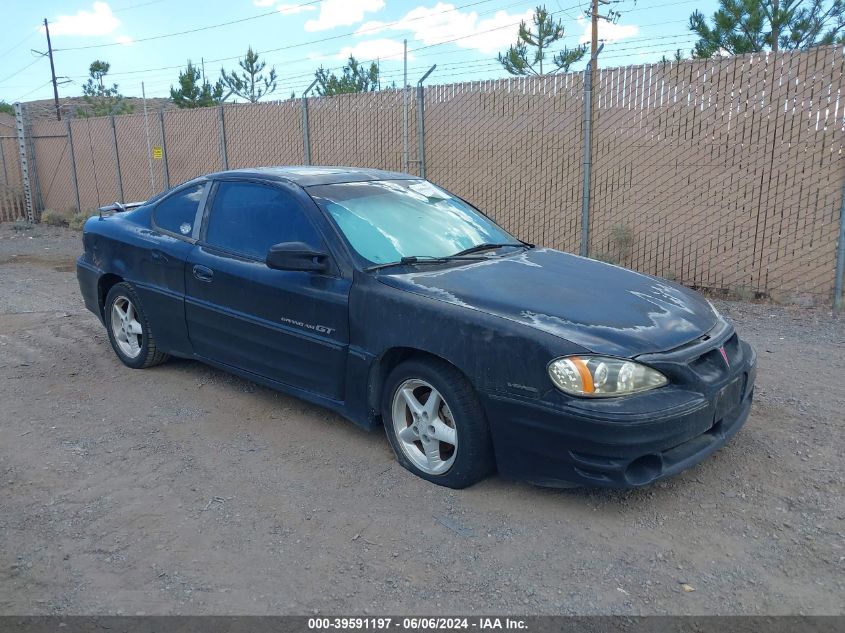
(517, 323)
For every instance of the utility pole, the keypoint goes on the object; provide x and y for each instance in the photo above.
(594, 43)
(53, 72)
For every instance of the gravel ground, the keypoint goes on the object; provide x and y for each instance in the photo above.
(184, 490)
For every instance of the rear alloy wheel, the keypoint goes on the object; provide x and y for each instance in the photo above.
(435, 423)
(126, 329)
(129, 330)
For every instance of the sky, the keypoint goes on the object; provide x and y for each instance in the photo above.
(147, 40)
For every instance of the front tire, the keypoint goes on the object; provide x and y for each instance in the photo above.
(129, 329)
(435, 424)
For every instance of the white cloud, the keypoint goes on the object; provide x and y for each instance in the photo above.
(441, 23)
(124, 39)
(284, 9)
(372, 50)
(334, 13)
(293, 9)
(99, 21)
(608, 31)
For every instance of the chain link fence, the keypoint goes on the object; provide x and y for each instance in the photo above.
(12, 201)
(722, 174)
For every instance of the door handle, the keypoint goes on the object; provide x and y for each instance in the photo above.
(203, 273)
(158, 256)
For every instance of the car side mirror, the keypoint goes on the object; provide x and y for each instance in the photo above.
(297, 256)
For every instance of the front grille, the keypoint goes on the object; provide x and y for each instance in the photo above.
(710, 366)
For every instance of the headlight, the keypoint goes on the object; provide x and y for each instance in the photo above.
(602, 377)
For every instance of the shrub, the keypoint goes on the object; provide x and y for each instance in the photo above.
(78, 219)
(54, 218)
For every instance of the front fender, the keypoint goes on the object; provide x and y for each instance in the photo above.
(497, 355)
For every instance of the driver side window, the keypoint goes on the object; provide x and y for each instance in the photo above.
(248, 218)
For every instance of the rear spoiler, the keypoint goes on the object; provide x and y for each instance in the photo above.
(119, 207)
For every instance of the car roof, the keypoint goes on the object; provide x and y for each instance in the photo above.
(306, 175)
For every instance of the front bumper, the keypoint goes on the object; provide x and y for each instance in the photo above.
(620, 442)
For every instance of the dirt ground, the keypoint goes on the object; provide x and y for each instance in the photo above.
(184, 490)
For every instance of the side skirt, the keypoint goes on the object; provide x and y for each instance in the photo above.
(338, 406)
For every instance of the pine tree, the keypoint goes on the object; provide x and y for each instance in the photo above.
(528, 55)
(752, 26)
(354, 78)
(102, 100)
(195, 94)
(250, 84)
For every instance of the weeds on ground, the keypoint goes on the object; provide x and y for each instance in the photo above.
(621, 245)
(22, 225)
(54, 218)
(79, 218)
(71, 219)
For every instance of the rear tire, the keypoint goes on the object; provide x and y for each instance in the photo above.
(129, 329)
(446, 440)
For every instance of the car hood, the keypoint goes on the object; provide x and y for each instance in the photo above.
(603, 308)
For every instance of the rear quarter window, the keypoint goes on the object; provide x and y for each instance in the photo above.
(177, 212)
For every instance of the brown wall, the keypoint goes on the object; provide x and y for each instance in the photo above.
(718, 173)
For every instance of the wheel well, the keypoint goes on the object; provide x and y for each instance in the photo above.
(104, 285)
(382, 368)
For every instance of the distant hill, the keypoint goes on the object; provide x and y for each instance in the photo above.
(45, 109)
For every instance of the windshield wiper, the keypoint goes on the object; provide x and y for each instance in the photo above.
(486, 246)
(424, 259)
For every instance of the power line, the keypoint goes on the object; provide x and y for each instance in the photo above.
(196, 30)
(363, 31)
(18, 72)
(21, 43)
(296, 82)
(136, 6)
(47, 83)
(378, 27)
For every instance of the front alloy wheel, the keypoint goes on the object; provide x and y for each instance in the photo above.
(425, 427)
(435, 423)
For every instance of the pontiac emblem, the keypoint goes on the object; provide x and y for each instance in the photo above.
(725, 356)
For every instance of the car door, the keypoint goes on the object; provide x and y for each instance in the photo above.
(289, 326)
(158, 263)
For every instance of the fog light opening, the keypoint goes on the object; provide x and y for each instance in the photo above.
(644, 469)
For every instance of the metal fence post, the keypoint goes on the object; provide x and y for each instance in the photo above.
(3, 158)
(584, 249)
(117, 174)
(405, 109)
(840, 257)
(166, 170)
(306, 135)
(224, 155)
(30, 215)
(73, 165)
(421, 118)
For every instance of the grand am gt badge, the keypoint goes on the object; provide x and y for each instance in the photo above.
(321, 329)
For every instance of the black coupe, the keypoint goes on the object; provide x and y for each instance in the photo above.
(398, 304)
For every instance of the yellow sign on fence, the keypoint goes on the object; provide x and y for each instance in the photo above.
(157, 153)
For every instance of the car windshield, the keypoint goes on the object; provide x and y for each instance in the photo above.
(387, 220)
